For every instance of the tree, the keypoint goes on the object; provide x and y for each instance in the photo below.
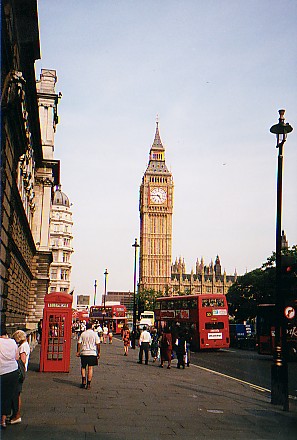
(146, 300)
(255, 287)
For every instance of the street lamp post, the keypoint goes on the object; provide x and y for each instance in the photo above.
(105, 279)
(95, 291)
(279, 368)
(135, 245)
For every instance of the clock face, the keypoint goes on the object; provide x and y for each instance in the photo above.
(158, 195)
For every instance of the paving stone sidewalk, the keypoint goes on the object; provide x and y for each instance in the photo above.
(144, 402)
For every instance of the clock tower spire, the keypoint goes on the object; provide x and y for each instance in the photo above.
(156, 208)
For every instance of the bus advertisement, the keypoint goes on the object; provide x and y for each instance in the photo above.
(113, 316)
(204, 316)
(265, 329)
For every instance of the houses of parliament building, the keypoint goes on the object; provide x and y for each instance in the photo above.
(156, 271)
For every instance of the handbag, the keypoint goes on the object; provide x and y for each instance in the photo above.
(21, 370)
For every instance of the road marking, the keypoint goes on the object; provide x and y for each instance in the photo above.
(256, 387)
(233, 378)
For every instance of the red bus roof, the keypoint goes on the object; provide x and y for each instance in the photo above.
(201, 295)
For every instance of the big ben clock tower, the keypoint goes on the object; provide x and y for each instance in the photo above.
(156, 206)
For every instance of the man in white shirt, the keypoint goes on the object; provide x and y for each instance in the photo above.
(144, 345)
(88, 348)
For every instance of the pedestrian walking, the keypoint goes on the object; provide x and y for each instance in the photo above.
(24, 351)
(110, 335)
(99, 330)
(166, 347)
(105, 333)
(188, 347)
(8, 374)
(88, 349)
(180, 349)
(144, 345)
(126, 339)
(39, 331)
(154, 344)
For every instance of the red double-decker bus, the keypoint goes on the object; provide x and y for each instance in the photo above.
(113, 316)
(204, 316)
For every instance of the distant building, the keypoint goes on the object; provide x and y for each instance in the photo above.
(124, 298)
(284, 241)
(83, 302)
(61, 243)
(206, 278)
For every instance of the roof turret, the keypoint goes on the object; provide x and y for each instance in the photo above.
(157, 155)
(60, 198)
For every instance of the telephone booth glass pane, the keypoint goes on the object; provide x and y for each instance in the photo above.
(56, 329)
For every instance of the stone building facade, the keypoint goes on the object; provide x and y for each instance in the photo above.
(21, 262)
(206, 278)
(60, 242)
(28, 169)
(156, 208)
(46, 178)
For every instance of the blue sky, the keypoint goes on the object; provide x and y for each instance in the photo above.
(216, 73)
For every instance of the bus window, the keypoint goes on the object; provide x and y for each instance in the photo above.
(193, 304)
(214, 325)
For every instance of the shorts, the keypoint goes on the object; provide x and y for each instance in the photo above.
(91, 361)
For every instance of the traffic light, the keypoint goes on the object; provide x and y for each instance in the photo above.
(289, 276)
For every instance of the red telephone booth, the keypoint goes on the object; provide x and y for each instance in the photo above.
(56, 333)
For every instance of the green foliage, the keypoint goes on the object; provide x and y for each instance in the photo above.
(253, 288)
(146, 299)
(290, 252)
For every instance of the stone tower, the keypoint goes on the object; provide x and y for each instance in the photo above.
(61, 242)
(156, 207)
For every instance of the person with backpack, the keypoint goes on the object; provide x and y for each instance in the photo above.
(166, 347)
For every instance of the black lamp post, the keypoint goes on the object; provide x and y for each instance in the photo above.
(95, 291)
(279, 369)
(105, 279)
(135, 245)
